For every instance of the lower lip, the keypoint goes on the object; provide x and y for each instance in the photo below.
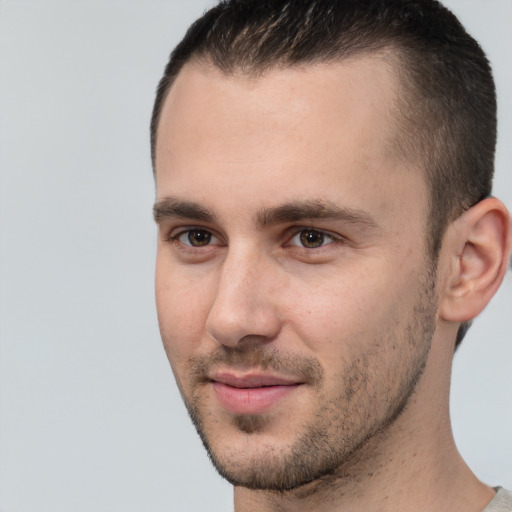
(250, 400)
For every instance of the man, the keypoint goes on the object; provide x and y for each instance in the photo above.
(326, 236)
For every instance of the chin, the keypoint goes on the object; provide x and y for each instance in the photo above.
(256, 458)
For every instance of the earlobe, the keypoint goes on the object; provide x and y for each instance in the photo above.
(481, 244)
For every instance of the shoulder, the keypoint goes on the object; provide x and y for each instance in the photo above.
(502, 502)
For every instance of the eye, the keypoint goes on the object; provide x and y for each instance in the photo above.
(312, 238)
(196, 238)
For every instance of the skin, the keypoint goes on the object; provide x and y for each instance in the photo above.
(353, 326)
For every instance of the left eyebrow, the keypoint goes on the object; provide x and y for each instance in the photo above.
(172, 207)
(314, 210)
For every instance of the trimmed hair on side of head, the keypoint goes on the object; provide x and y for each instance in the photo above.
(446, 113)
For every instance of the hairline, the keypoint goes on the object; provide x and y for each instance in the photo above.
(398, 138)
(388, 52)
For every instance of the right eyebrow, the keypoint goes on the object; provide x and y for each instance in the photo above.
(172, 207)
(315, 210)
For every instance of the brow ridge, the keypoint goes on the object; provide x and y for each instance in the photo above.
(313, 210)
(295, 211)
(170, 207)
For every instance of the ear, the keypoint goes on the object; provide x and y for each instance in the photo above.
(479, 244)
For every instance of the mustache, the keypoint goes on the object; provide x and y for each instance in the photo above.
(256, 357)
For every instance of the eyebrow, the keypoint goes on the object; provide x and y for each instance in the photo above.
(173, 207)
(314, 210)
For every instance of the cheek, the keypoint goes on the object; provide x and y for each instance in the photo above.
(341, 307)
(357, 317)
(182, 311)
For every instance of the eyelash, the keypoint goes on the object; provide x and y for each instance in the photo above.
(323, 238)
(209, 235)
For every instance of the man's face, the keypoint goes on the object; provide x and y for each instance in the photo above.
(295, 300)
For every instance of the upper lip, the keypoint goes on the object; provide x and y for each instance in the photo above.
(252, 380)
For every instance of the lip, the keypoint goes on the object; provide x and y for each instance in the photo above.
(251, 393)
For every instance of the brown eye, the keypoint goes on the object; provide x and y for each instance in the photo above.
(199, 238)
(311, 238)
(195, 238)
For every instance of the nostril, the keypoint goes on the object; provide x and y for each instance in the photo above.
(243, 326)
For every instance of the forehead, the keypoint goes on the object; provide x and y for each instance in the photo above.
(310, 102)
(291, 133)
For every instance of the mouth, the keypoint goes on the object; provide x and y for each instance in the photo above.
(251, 393)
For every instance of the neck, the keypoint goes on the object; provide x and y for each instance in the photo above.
(412, 465)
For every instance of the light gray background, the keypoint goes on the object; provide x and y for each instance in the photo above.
(90, 419)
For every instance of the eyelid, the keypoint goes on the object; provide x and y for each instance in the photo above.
(177, 232)
(297, 230)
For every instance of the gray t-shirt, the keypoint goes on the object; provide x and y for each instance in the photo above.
(502, 502)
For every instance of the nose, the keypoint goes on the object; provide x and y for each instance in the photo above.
(244, 308)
